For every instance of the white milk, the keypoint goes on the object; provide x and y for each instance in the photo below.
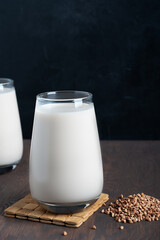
(65, 159)
(10, 129)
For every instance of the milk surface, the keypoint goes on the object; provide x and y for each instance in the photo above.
(11, 145)
(65, 158)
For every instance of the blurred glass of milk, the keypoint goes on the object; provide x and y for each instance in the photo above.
(11, 143)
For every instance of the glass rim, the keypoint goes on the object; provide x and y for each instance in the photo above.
(6, 81)
(45, 96)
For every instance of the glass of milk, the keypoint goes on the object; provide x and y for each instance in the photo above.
(11, 144)
(66, 172)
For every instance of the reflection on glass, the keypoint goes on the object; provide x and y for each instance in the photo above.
(66, 171)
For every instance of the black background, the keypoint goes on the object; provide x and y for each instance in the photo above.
(108, 47)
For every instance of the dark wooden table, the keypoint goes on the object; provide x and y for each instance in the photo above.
(129, 167)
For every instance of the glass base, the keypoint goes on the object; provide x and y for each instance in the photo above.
(7, 168)
(67, 208)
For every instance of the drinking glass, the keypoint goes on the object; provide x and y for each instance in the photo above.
(11, 144)
(66, 172)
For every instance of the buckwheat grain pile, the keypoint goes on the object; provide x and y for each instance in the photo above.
(135, 208)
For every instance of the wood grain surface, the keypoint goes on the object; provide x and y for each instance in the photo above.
(129, 167)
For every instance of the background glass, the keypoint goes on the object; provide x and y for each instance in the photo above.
(66, 172)
(11, 143)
